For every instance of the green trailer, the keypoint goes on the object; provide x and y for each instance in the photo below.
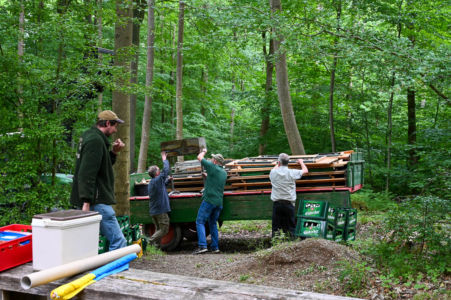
(246, 203)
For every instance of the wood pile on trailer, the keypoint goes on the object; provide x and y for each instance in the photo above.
(326, 171)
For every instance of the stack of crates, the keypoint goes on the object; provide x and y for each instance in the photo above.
(341, 223)
(351, 222)
(131, 233)
(311, 218)
(317, 218)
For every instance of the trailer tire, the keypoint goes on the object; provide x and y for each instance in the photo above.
(190, 232)
(171, 240)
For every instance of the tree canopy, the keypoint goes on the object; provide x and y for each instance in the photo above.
(391, 89)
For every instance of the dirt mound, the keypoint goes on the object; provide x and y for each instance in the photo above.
(302, 257)
(309, 251)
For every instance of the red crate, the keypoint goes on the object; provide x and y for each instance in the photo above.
(18, 251)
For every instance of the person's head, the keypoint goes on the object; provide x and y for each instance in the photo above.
(217, 159)
(107, 122)
(153, 171)
(283, 159)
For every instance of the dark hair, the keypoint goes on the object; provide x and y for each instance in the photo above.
(102, 123)
(152, 171)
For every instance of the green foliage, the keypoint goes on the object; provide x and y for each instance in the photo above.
(152, 252)
(51, 92)
(255, 226)
(417, 241)
(354, 277)
(368, 200)
(309, 270)
(244, 277)
(280, 238)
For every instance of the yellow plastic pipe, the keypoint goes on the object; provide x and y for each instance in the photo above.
(75, 267)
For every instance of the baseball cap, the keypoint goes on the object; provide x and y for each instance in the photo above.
(109, 115)
(218, 158)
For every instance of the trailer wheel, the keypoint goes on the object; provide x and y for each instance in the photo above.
(171, 240)
(190, 232)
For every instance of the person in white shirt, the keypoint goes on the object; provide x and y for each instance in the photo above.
(283, 194)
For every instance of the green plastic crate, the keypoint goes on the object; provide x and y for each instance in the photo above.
(330, 232)
(351, 219)
(331, 214)
(306, 227)
(128, 234)
(350, 234)
(340, 218)
(124, 222)
(313, 209)
(339, 234)
(103, 244)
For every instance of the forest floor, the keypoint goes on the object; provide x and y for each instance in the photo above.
(312, 265)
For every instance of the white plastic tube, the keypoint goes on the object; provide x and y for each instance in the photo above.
(75, 267)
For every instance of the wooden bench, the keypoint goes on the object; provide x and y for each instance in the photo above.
(137, 284)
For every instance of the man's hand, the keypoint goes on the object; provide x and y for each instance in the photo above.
(303, 166)
(202, 154)
(163, 155)
(117, 146)
(86, 206)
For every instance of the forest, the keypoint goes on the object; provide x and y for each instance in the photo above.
(252, 77)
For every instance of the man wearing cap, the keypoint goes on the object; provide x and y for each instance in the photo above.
(211, 205)
(93, 183)
(283, 194)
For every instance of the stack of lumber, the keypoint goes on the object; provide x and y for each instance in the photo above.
(326, 171)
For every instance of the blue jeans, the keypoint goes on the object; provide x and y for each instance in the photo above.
(208, 213)
(109, 227)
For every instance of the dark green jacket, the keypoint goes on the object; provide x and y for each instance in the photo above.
(214, 184)
(94, 178)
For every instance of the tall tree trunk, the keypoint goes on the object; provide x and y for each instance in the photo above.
(367, 131)
(99, 44)
(389, 132)
(20, 54)
(61, 8)
(389, 115)
(138, 16)
(411, 110)
(121, 104)
(232, 128)
(179, 75)
(331, 103)
(332, 80)
(412, 129)
(268, 93)
(149, 78)
(283, 91)
(171, 73)
(179, 72)
(204, 84)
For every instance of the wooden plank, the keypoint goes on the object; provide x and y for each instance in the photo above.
(305, 181)
(266, 176)
(183, 147)
(190, 182)
(327, 160)
(309, 166)
(304, 188)
(135, 284)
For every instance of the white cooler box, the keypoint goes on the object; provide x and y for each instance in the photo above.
(64, 236)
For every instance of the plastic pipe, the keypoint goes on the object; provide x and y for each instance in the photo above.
(75, 267)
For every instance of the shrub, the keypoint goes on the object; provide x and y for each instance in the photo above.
(418, 239)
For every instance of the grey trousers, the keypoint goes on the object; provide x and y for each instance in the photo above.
(161, 222)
